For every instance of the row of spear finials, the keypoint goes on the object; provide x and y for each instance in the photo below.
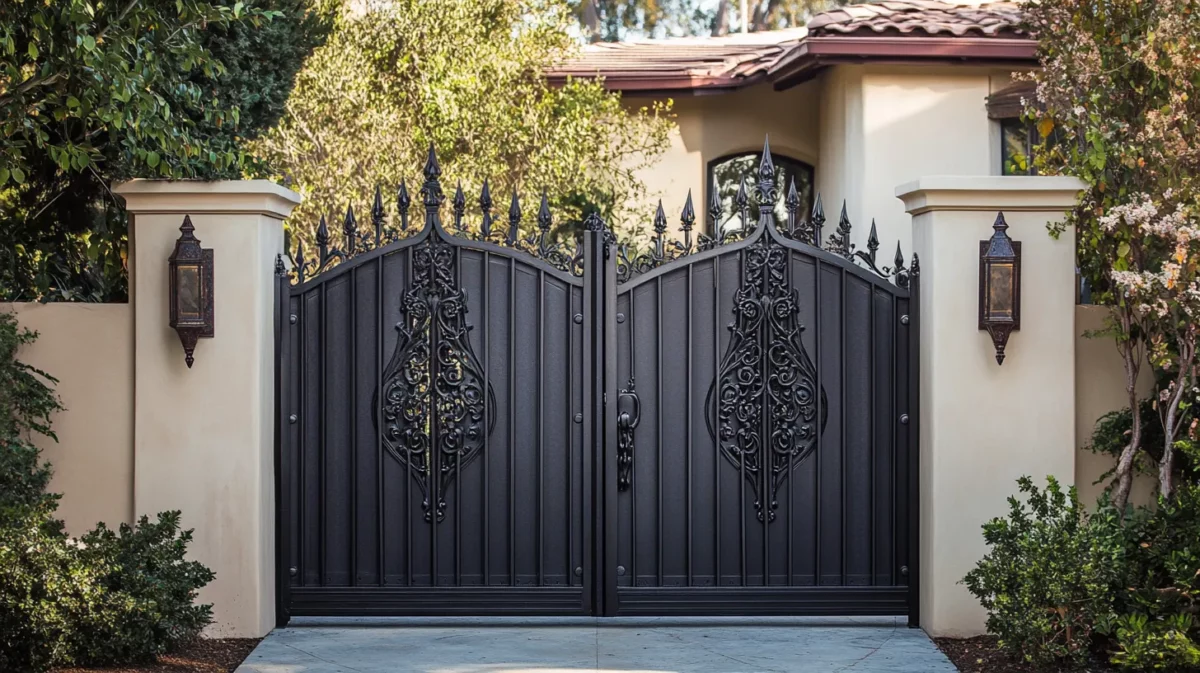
(545, 244)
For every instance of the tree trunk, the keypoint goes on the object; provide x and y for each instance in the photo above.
(721, 19)
(1172, 418)
(591, 20)
(1129, 353)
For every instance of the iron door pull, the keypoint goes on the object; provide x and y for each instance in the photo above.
(628, 417)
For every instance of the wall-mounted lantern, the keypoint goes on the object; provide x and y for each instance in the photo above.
(1000, 286)
(191, 280)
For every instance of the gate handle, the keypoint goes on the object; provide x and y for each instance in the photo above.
(626, 423)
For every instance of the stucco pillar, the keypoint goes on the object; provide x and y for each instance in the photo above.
(984, 425)
(204, 437)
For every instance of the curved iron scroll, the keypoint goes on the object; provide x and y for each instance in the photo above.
(433, 385)
(765, 390)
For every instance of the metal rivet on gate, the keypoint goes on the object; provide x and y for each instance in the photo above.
(292, 571)
(578, 318)
(620, 571)
(904, 570)
(292, 318)
(292, 418)
(904, 320)
(903, 419)
(579, 572)
(578, 418)
(620, 317)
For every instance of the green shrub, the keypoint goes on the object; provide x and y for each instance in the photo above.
(151, 591)
(1050, 574)
(1157, 628)
(110, 597)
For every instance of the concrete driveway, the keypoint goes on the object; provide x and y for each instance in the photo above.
(621, 645)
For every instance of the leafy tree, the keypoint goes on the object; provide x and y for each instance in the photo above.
(615, 20)
(96, 92)
(464, 76)
(1119, 88)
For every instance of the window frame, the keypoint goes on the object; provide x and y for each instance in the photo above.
(779, 159)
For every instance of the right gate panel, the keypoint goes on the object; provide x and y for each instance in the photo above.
(763, 446)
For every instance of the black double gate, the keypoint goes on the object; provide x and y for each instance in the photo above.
(471, 423)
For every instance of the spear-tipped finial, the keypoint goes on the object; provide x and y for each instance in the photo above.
(839, 240)
(767, 191)
(350, 229)
(898, 260)
(544, 218)
(433, 170)
(715, 213)
(514, 218)
(660, 219)
(431, 190)
(403, 202)
(460, 207)
(300, 261)
(792, 202)
(872, 241)
(377, 215)
(322, 240)
(686, 220)
(741, 201)
(485, 207)
(818, 220)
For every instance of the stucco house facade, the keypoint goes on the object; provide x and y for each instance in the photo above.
(279, 449)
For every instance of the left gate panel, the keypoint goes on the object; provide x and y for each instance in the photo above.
(432, 459)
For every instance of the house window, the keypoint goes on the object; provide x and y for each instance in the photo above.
(1017, 138)
(725, 176)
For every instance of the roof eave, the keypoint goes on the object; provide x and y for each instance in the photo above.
(814, 54)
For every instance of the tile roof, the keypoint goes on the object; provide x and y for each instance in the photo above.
(735, 60)
(701, 59)
(924, 17)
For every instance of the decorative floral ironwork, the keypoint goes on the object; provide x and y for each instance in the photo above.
(433, 386)
(764, 395)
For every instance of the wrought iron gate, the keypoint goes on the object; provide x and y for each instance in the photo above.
(471, 422)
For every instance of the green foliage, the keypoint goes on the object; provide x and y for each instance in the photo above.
(26, 399)
(1049, 575)
(1119, 90)
(1157, 628)
(467, 77)
(1111, 434)
(106, 598)
(166, 89)
(615, 20)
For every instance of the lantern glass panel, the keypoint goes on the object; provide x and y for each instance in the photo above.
(188, 293)
(999, 291)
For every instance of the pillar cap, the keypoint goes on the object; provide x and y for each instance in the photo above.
(1009, 193)
(197, 197)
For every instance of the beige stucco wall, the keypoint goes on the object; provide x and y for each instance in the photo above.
(89, 349)
(984, 425)
(710, 127)
(1099, 389)
(204, 436)
(864, 128)
(882, 126)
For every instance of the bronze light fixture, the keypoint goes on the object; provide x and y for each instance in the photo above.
(191, 281)
(1000, 286)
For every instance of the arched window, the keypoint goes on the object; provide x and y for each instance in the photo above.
(725, 175)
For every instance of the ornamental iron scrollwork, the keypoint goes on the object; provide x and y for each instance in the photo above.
(763, 406)
(434, 403)
(807, 230)
(563, 252)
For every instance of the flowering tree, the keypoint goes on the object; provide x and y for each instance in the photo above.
(1118, 93)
